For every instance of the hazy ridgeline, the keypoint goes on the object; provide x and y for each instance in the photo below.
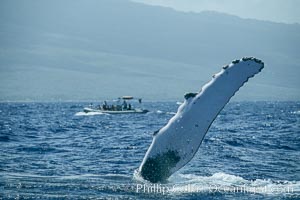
(89, 50)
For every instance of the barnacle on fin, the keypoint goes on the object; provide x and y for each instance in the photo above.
(225, 67)
(155, 132)
(189, 95)
(257, 60)
(235, 61)
(246, 58)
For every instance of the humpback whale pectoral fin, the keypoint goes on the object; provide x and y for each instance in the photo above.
(189, 95)
(171, 148)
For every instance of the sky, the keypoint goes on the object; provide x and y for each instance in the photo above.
(283, 11)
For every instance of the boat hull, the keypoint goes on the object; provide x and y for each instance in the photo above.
(141, 111)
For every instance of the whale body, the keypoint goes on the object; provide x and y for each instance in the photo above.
(175, 144)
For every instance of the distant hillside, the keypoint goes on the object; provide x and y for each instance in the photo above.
(89, 50)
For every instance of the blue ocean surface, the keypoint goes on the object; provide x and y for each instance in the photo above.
(55, 151)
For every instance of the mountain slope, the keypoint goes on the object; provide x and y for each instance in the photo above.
(102, 49)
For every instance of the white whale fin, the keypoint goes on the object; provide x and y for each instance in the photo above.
(175, 144)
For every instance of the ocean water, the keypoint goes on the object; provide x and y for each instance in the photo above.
(55, 151)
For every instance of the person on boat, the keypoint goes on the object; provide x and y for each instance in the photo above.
(104, 106)
(119, 107)
(129, 106)
(124, 105)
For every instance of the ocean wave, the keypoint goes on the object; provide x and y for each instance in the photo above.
(218, 183)
(227, 183)
(28, 176)
(159, 112)
(168, 113)
(89, 113)
(296, 112)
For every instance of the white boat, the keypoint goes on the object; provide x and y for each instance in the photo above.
(137, 110)
(117, 108)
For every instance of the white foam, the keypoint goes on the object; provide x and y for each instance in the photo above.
(171, 113)
(137, 177)
(162, 112)
(159, 111)
(296, 112)
(81, 176)
(224, 183)
(89, 113)
(179, 103)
